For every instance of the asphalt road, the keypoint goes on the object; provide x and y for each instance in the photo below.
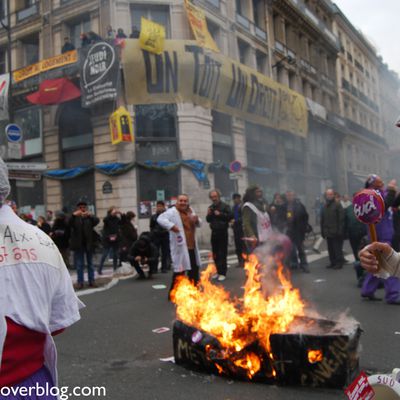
(114, 346)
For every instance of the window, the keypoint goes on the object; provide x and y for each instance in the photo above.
(76, 143)
(239, 7)
(30, 49)
(222, 151)
(156, 140)
(259, 13)
(244, 50)
(261, 59)
(76, 28)
(156, 121)
(278, 28)
(30, 121)
(156, 13)
(214, 32)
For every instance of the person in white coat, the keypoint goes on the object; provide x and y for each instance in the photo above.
(181, 222)
(37, 301)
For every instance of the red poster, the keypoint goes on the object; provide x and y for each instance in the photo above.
(360, 389)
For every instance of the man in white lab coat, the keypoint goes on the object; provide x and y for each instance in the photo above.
(181, 222)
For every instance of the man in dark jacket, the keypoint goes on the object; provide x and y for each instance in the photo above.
(160, 237)
(60, 233)
(144, 252)
(218, 216)
(83, 241)
(296, 223)
(332, 229)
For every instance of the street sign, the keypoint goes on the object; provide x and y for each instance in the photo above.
(235, 166)
(13, 133)
(160, 195)
(20, 166)
(107, 187)
(14, 151)
(234, 176)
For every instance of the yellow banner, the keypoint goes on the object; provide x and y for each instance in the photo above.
(198, 23)
(45, 65)
(152, 36)
(184, 72)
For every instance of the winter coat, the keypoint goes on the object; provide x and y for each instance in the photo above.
(83, 237)
(353, 227)
(332, 220)
(128, 234)
(219, 222)
(179, 251)
(156, 229)
(60, 233)
(298, 222)
(278, 216)
(110, 233)
(150, 251)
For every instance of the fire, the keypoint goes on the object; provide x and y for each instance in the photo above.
(237, 323)
(315, 356)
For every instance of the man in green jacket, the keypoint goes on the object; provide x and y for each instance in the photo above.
(332, 229)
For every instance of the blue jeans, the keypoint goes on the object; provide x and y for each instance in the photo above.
(79, 259)
(106, 251)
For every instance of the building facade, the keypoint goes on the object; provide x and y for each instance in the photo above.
(304, 46)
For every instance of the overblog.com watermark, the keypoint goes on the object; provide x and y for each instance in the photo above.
(62, 392)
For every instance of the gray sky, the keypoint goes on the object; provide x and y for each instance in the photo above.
(380, 23)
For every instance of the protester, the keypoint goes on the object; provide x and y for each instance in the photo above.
(83, 241)
(345, 201)
(219, 215)
(388, 264)
(354, 230)
(110, 238)
(68, 46)
(43, 225)
(238, 228)
(135, 34)
(128, 235)
(384, 232)
(332, 229)
(37, 301)
(160, 237)
(256, 221)
(144, 252)
(297, 225)
(181, 222)
(60, 233)
(111, 34)
(277, 211)
(121, 34)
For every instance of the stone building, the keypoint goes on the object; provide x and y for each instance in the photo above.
(294, 43)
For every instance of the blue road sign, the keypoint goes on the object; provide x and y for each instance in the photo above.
(13, 133)
(235, 166)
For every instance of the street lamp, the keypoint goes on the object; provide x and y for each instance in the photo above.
(290, 60)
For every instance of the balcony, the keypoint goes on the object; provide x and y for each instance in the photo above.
(28, 12)
(349, 57)
(261, 34)
(243, 21)
(316, 22)
(359, 66)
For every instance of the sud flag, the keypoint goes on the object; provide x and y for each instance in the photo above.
(152, 36)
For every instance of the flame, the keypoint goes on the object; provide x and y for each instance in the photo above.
(237, 323)
(315, 356)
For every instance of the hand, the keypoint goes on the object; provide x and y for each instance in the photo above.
(368, 258)
(195, 219)
(209, 211)
(77, 213)
(138, 258)
(216, 212)
(175, 229)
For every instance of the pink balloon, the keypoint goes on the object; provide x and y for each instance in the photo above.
(368, 206)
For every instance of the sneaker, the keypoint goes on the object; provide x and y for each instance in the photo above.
(215, 276)
(221, 278)
(93, 285)
(305, 268)
(141, 277)
(79, 286)
(371, 297)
